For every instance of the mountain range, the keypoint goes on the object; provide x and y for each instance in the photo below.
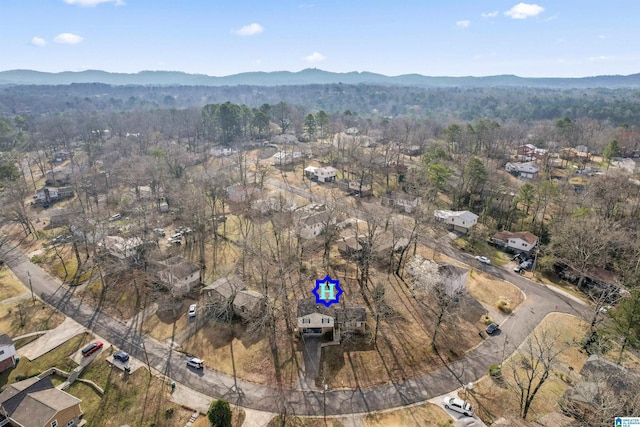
(307, 77)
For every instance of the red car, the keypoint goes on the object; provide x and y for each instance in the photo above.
(92, 348)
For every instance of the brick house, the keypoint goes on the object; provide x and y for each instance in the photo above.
(7, 352)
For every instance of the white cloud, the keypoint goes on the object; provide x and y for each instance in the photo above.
(68, 38)
(38, 41)
(315, 57)
(489, 14)
(249, 30)
(463, 24)
(601, 58)
(92, 3)
(524, 11)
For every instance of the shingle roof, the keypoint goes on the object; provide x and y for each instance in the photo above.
(227, 287)
(5, 340)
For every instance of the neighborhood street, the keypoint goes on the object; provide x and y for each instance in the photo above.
(540, 301)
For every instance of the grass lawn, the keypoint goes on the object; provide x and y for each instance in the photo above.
(38, 317)
(138, 399)
(57, 357)
(426, 415)
(494, 400)
(304, 422)
(490, 291)
(10, 286)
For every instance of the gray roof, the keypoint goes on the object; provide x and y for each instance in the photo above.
(5, 340)
(248, 299)
(227, 287)
(308, 306)
(35, 401)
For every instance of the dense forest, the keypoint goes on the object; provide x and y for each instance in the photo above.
(617, 107)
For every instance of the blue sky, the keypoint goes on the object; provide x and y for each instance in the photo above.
(564, 38)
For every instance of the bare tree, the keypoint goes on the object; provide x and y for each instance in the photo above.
(531, 365)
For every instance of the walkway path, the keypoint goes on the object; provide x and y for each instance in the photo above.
(68, 329)
(161, 357)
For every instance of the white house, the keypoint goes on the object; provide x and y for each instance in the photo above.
(50, 194)
(461, 221)
(404, 201)
(7, 352)
(312, 224)
(324, 174)
(523, 170)
(521, 241)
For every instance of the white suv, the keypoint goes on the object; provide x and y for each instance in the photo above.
(194, 362)
(458, 405)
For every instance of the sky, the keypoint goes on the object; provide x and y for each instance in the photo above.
(546, 38)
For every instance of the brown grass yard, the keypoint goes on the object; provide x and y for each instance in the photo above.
(425, 415)
(10, 286)
(38, 317)
(136, 399)
(494, 400)
(489, 290)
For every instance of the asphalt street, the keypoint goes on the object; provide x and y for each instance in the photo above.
(540, 301)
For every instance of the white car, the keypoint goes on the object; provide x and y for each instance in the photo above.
(192, 310)
(458, 405)
(194, 362)
(483, 259)
(115, 217)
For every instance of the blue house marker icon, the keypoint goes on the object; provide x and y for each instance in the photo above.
(618, 422)
(327, 291)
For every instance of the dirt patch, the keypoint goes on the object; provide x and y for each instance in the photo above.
(426, 415)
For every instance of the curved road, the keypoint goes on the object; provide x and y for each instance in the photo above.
(540, 301)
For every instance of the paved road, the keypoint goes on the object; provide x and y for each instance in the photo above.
(161, 357)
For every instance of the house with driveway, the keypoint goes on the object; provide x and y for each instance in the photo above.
(527, 170)
(460, 221)
(176, 274)
(323, 174)
(519, 241)
(7, 352)
(317, 320)
(35, 402)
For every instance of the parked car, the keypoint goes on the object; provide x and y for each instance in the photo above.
(92, 348)
(121, 356)
(192, 310)
(159, 232)
(458, 405)
(492, 328)
(483, 259)
(175, 236)
(194, 362)
(115, 217)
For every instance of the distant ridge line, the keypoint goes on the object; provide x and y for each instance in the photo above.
(308, 76)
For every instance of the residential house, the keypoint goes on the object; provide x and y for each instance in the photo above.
(7, 352)
(60, 156)
(248, 304)
(603, 383)
(223, 152)
(176, 274)
(58, 176)
(523, 170)
(350, 245)
(277, 201)
(48, 195)
(461, 221)
(230, 294)
(282, 158)
(316, 319)
(404, 201)
(520, 241)
(123, 248)
(35, 402)
(529, 152)
(626, 164)
(323, 174)
(312, 220)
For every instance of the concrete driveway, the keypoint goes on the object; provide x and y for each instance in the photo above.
(52, 339)
(311, 353)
